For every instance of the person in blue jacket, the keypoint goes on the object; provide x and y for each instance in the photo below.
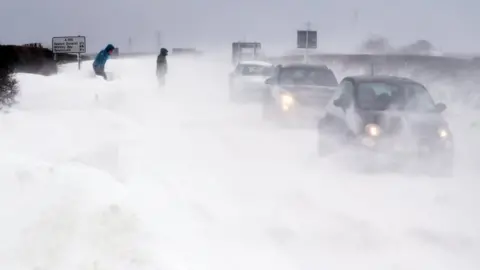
(101, 59)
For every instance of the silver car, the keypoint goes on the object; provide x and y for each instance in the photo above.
(247, 81)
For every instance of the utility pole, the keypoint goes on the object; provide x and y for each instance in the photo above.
(355, 21)
(305, 57)
(355, 16)
(130, 46)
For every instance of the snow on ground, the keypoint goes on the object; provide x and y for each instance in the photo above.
(120, 175)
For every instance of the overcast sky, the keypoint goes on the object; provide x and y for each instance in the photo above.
(451, 25)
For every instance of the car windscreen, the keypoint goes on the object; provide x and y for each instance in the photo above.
(404, 96)
(310, 76)
(256, 70)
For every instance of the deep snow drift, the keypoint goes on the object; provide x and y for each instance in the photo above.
(118, 175)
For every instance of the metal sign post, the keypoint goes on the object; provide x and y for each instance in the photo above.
(305, 56)
(238, 47)
(306, 39)
(70, 45)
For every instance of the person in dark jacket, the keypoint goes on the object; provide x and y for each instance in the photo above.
(101, 59)
(162, 66)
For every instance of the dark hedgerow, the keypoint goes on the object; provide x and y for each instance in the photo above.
(8, 86)
(29, 58)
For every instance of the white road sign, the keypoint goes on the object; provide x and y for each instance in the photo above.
(74, 44)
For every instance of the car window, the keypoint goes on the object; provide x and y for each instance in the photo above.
(347, 88)
(338, 92)
(307, 76)
(256, 70)
(403, 96)
(344, 87)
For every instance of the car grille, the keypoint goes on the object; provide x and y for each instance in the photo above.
(425, 131)
(317, 99)
(394, 125)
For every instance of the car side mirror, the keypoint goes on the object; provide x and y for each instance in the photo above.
(342, 102)
(440, 107)
(269, 81)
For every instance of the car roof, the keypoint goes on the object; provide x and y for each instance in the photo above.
(256, 63)
(381, 78)
(300, 65)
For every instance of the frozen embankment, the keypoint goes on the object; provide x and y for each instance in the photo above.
(117, 175)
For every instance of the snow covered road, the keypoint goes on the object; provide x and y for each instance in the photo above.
(119, 175)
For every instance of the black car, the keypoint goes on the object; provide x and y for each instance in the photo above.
(394, 119)
(298, 92)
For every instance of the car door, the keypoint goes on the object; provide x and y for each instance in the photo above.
(351, 117)
(345, 89)
(235, 75)
(336, 117)
(273, 87)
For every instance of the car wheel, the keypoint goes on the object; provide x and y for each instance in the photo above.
(327, 125)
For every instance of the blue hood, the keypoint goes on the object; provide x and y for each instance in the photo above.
(109, 47)
(103, 56)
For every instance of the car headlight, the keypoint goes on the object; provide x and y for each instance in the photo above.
(372, 130)
(287, 101)
(443, 133)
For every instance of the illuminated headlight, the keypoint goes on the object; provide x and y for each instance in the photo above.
(287, 101)
(372, 130)
(443, 133)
